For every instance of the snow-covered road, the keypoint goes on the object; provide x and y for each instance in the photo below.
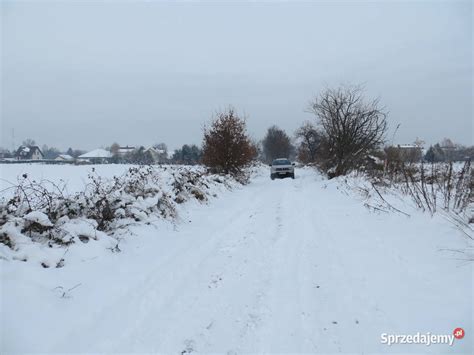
(275, 266)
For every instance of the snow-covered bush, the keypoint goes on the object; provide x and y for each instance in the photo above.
(435, 186)
(43, 213)
(32, 195)
(445, 188)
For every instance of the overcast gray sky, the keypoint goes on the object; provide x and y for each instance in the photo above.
(84, 74)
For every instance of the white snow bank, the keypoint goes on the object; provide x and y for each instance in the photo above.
(38, 217)
(99, 215)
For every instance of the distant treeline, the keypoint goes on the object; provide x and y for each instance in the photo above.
(348, 132)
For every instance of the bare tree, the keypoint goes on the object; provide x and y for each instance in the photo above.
(114, 149)
(28, 142)
(309, 142)
(447, 143)
(140, 156)
(49, 152)
(226, 146)
(448, 147)
(351, 127)
(276, 144)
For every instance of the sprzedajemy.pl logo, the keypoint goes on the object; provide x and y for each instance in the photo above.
(422, 338)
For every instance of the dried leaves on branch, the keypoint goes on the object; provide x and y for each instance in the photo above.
(226, 145)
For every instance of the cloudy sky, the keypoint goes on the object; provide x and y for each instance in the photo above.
(85, 74)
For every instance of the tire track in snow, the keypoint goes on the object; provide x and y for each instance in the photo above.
(230, 254)
(285, 327)
(160, 287)
(282, 266)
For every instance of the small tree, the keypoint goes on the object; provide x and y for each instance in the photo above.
(50, 152)
(226, 146)
(5, 153)
(139, 156)
(435, 154)
(430, 155)
(187, 154)
(309, 142)
(276, 144)
(351, 127)
(114, 149)
(28, 142)
(447, 143)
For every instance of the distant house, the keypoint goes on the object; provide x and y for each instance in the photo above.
(64, 157)
(96, 156)
(158, 155)
(31, 152)
(409, 146)
(410, 153)
(123, 151)
(5, 154)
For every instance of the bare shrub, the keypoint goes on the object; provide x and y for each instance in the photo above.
(434, 186)
(5, 239)
(439, 186)
(42, 195)
(44, 212)
(188, 184)
(350, 127)
(99, 199)
(166, 207)
(309, 143)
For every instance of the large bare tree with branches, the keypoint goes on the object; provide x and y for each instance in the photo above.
(351, 127)
(226, 146)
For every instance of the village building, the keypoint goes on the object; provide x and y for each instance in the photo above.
(96, 156)
(158, 155)
(123, 151)
(31, 152)
(64, 157)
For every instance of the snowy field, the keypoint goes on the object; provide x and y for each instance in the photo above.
(74, 176)
(284, 266)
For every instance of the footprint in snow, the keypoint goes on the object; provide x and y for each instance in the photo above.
(215, 281)
(189, 346)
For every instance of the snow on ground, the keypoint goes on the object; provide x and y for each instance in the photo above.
(73, 176)
(70, 225)
(274, 266)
